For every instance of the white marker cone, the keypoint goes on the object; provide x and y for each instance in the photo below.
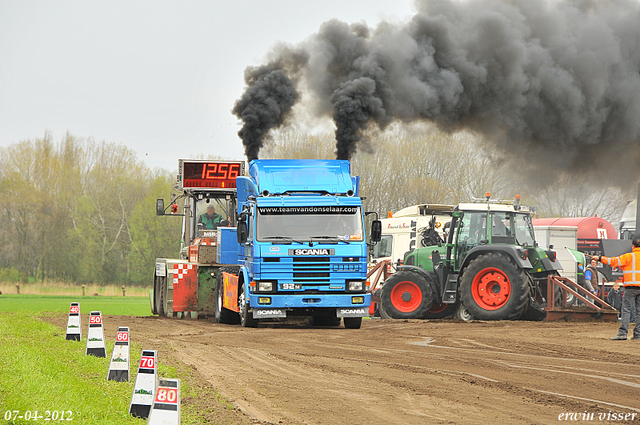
(166, 406)
(95, 336)
(119, 366)
(145, 386)
(74, 332)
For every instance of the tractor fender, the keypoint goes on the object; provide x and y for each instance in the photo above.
(432, 278)
(510, 250)
(550, 265)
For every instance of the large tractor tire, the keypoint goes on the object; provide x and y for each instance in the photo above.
(440, 311)
(406, 295)
(494, 288)
(222, 315)
(382, 312)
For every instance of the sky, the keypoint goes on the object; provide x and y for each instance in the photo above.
(159, 77)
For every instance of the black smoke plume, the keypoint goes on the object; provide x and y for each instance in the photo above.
(557, 82)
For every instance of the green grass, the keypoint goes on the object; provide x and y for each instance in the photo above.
(122, 306)
(40, 370)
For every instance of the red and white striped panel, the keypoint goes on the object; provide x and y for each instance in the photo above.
(180, 270)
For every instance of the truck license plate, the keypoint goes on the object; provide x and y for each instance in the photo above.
(289, 286)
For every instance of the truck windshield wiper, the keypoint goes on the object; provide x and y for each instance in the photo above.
(332, 238)
(286, 239)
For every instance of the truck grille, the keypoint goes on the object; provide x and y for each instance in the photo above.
(313, 274)
(314, 269)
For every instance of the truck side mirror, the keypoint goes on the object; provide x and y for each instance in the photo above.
(376, 231)
(243, 229)
(160, 207)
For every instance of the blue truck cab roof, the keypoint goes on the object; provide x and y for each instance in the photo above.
(280, 176)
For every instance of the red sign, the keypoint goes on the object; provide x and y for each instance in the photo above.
(211, 174)
(122, 336)
(167, 395)
(147, 362)
(95, 319)
(74, 309)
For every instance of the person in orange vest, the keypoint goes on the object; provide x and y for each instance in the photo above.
(630, 263)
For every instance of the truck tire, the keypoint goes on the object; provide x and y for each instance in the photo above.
(162, 296)
(440, 311)
(494, 288)
(246, 317)
(352, 322)
(406, 295)
(221, 314)
(156, 295)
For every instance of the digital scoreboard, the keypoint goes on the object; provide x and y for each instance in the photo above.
(214, 175)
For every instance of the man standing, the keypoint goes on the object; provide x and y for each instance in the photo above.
(630, 263)
(591, 276)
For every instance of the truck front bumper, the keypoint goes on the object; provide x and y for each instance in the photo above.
(315, 301)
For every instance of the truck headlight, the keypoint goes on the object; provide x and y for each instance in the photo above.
(356, 286)
(265, 286)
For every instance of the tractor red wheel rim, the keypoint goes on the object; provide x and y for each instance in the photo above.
(406, 296)
(491, 288)
(438, 308)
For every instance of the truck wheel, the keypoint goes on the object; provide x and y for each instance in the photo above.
(406, 295)
(222, 315)
(440, 311)
(156, 295)
(494, 288)
(162, 296)
(352, 322)
(246, 317)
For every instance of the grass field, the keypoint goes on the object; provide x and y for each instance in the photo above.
(122, 306)
(44, 374)
(41, 371)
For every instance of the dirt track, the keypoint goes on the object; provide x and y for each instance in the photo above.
(406, 372)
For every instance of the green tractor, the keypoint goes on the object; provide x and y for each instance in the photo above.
(489, 268)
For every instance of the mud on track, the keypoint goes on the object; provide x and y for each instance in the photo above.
(404, 371)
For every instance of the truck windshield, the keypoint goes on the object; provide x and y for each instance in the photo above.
(337, 223)
(213, 213)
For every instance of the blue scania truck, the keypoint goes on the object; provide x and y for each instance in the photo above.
(289, 241)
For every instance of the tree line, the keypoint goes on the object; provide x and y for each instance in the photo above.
(81, 211)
